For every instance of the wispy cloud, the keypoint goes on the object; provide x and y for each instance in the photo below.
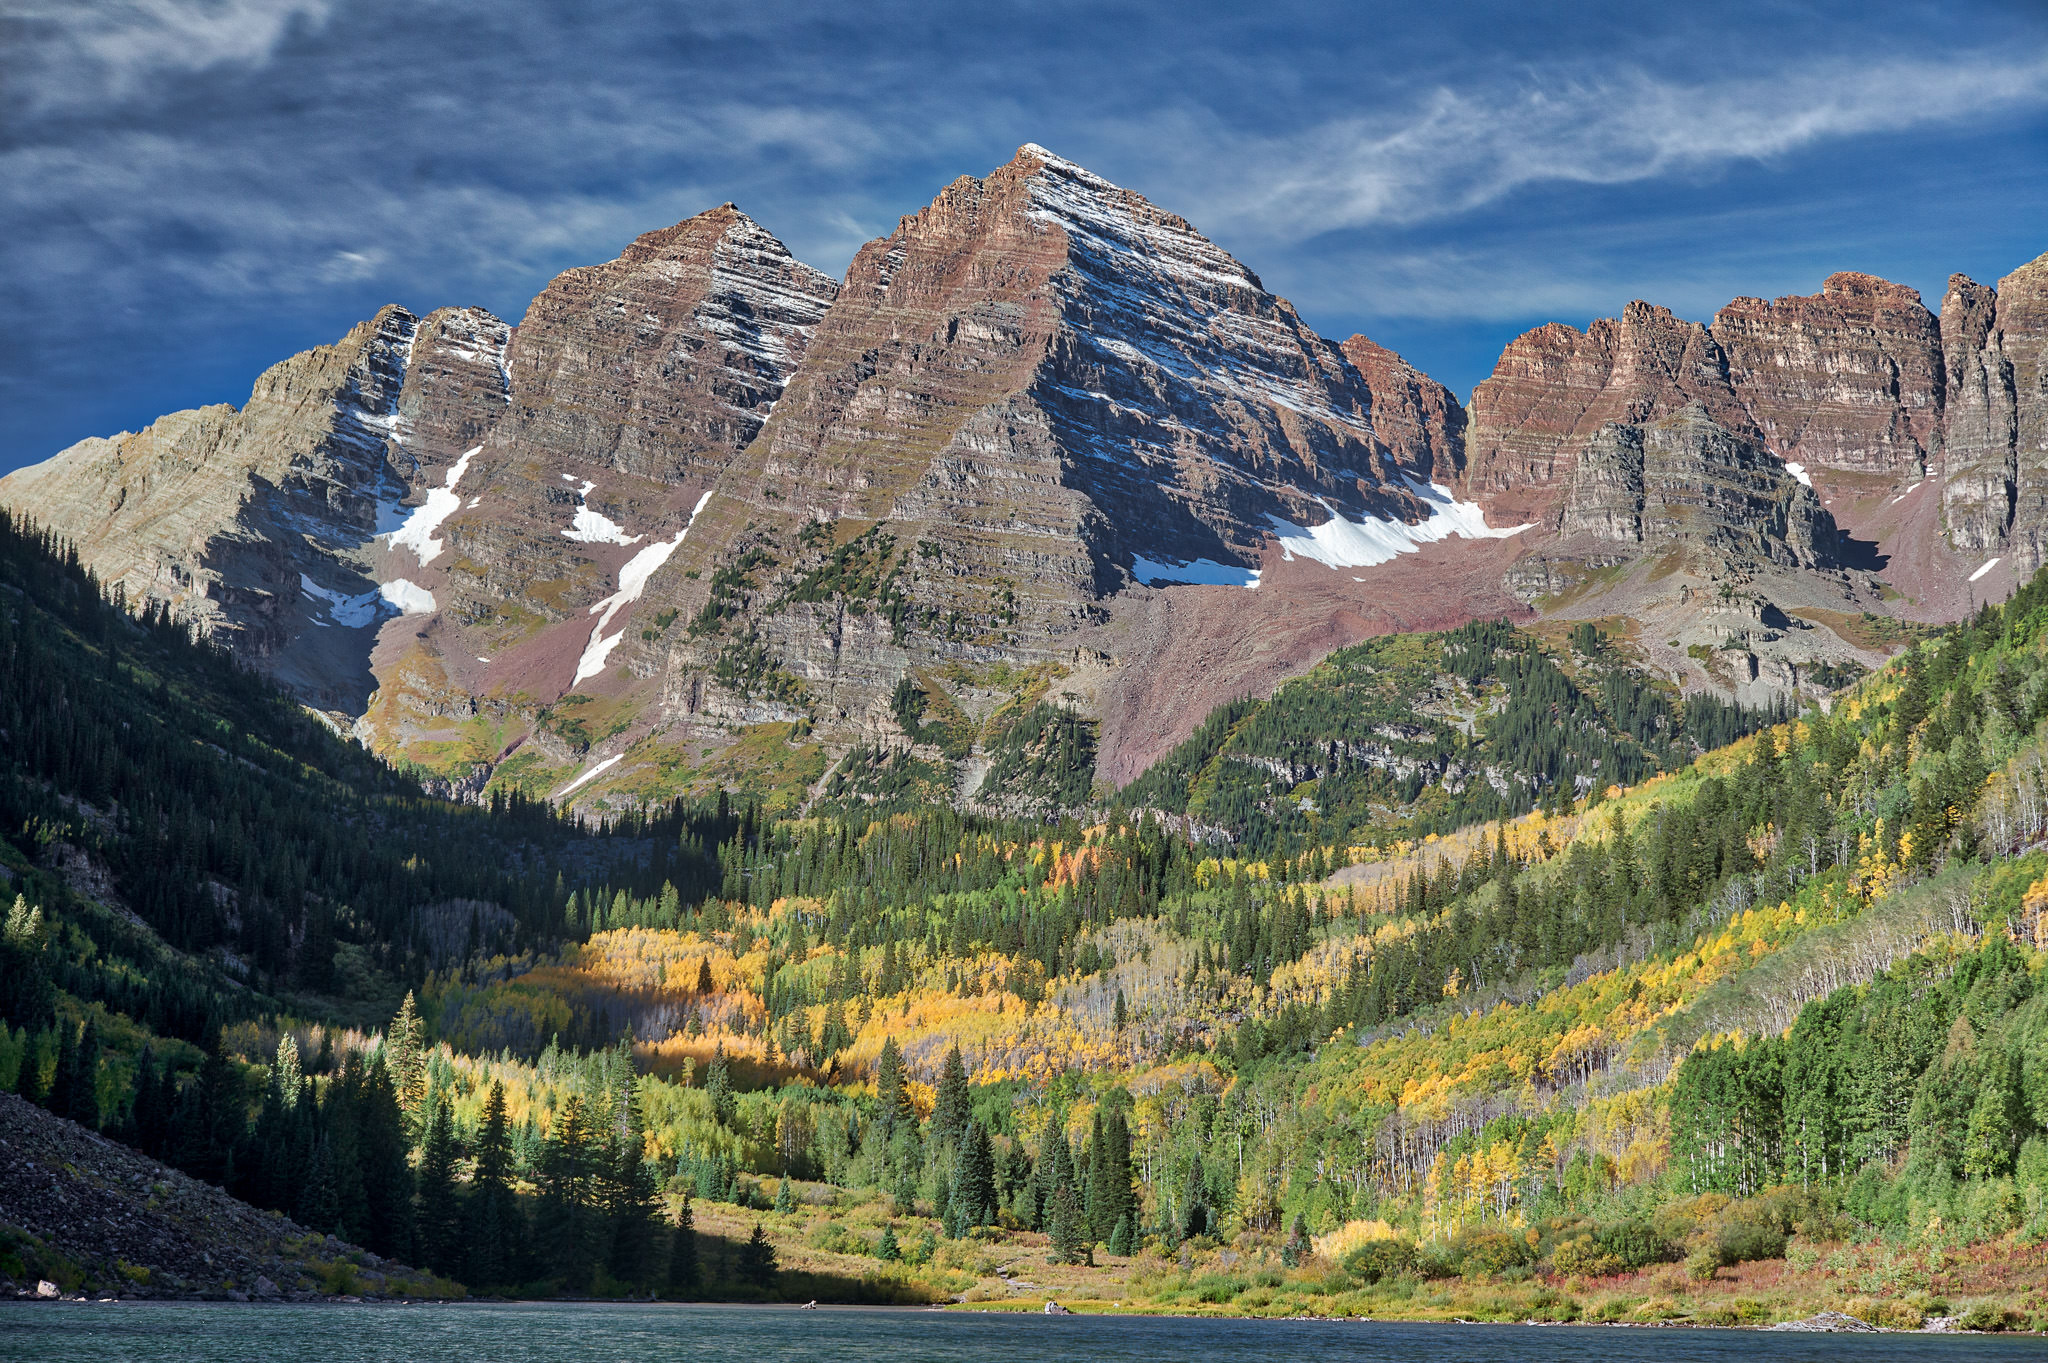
(1461, 148)
(91, 51)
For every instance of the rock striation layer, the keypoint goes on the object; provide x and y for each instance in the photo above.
(1043, 429)
(1995, 419)
(1687, 481)
(253, 524)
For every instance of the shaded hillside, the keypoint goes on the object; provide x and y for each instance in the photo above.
(92, 1216)
(1422, 733)
(203, 847)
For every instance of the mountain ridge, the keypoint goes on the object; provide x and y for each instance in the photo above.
(1083, 431)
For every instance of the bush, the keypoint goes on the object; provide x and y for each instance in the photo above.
(1743, 1241)
(1635, 1244)
(1376, 1260)
(1991, 1316)
(1494, 1252)
(1580, 1257)
(1701, 1264)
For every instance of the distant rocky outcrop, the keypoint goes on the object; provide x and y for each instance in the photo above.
(1995, 416)
(1688, 482)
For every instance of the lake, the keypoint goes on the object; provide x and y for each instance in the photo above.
(136, 1332)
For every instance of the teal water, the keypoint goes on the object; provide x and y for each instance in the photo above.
(78, 1332)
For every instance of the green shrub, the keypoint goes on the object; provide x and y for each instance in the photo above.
(1635, 1243)
(1581, 1257)
(1701, 1264)
(1494, 1252)
(1376, 1260)
(1991, 1316)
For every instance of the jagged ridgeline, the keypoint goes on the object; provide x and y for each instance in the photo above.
(202, 850)
(1413, 734)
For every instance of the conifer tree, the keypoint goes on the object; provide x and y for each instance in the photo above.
(685, 1274)
(785, 1199)
(1121, 1237)
(950, 1107)
(890, 1093)
(495, 1224)
(285, 1073)
(440, 1214)
(718, 1085)
(630, 1205)
(564, 1228)
(1067, 1229)
(387, 1172)
(888, 1249)
(757, 1266)
(408, 1065)
(974, 1186)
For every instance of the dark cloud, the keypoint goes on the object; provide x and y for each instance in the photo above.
(191, 189)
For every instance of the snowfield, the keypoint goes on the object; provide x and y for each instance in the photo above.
(1341, 543)
(593, 527)
(416, 532)
(632, 581)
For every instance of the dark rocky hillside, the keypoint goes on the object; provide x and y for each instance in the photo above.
(91, 1216)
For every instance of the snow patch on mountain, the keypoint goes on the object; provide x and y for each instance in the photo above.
(1200, 572)
(406, 597)
(632, 581)
(1367, 543)
(594, 527)
(416, 531)
(591, 775)
(350, 612)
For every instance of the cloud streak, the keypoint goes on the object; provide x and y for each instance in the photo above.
(1460, 149)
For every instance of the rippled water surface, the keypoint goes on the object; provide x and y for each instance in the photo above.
(136, 1332)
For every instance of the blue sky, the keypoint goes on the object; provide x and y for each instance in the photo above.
(191, 190)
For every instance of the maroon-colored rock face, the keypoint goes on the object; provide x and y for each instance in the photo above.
(1995, 418)
(664, 362)
(1849, 378)
(1043, 349)
(1421, 422)
(1555, 387)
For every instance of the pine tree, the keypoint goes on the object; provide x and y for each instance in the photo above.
(1120, 1016)
(950, 1107)
(718, 1085)
(1119, 1200)
(405, 1042)
(888, 1248)
(387, 1171)
(61, 1098)
(1067, 1230)
(785, 1199)
(285, 1072)
(495, 1225)
(704, 983)
(565, 1228)
(890, 1092)
(1121, 1237)
(684, 1272)
(974, 1185)
(630, 1205)
(757, 1265)
(440, 1214)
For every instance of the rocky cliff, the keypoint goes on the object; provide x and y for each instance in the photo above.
(699, 514)
(1687, 481)
(1994, 346)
